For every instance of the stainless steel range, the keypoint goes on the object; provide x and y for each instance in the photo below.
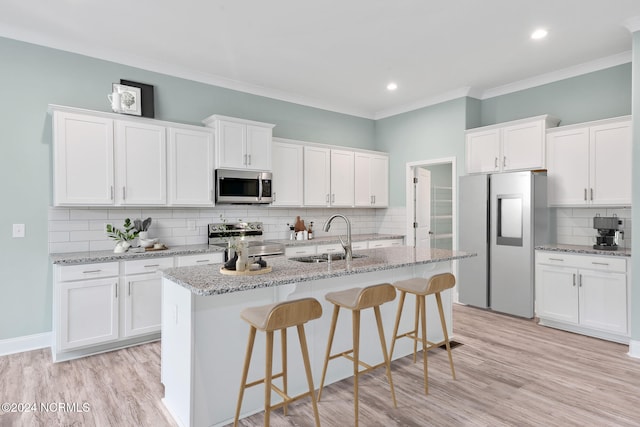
(251, 232)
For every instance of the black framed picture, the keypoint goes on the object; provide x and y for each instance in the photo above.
(147, 101)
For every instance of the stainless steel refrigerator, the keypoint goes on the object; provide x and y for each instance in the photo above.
(502, 217)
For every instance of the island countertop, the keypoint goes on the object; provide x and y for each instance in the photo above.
(207, 280)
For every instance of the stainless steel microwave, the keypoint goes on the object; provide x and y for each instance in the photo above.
(243, 187)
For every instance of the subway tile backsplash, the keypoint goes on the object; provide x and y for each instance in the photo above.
(574, 226)
(83, 229)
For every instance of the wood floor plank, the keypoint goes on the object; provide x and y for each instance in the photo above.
(510, 372)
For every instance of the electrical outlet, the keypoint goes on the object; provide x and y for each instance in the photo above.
(18, 230)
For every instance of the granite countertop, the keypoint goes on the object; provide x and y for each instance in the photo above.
(576, 249)
(72, 258)
(327, 240)
(207, 280)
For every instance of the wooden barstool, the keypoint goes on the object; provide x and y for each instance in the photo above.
(357, 299)
(270, 318)
(421, 288)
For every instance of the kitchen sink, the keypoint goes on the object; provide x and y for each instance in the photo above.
(324, 258)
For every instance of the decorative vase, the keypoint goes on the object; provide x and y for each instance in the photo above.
(143, 235)
(240, 264)
(121, 247)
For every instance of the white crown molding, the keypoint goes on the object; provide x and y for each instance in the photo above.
(422, 103)
(25, 343)
(633, 24)
(554, 76)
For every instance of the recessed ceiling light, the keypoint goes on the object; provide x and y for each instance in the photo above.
(538, 34)
(392, 86)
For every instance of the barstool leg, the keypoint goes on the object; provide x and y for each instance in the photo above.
(387, 362)
(307, 367)
(444, 332)
(423, 313)
(356, 360)
(267, 379)
(415, 329)
(397, 325)
(332, 330)
(245, 372)
(283, 345)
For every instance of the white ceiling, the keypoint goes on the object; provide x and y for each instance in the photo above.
(339, 54)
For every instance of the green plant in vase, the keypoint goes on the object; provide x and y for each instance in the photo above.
(123, 237)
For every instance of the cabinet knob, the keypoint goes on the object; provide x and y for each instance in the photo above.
(495, 163)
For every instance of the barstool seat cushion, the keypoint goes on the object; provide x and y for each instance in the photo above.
(361, 298)
(281, 315)
(421, 286)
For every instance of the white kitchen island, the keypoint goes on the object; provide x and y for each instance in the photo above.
(204, 338)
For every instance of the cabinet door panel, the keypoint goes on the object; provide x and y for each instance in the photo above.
(316, 176)
(88, 313)
(141, 165)
(568, 167)
(342, 185)
(557, 293)
(143, 304)
(523, 146)
(482, 151)
(603, 301)
(83, 160)
(231, 144)
(190, 177)
(259, 148)
(611, 164)
(287, 174)
(362, 180)
(380, 181)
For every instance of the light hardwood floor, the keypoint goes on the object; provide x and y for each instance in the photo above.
(510, 372)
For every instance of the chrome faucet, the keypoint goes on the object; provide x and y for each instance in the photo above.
(345, 245)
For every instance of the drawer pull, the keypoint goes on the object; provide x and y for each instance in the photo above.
(301, 252)
(600, 263)
(202, 260)
(91, 271)
(556, 259)
(152, 265)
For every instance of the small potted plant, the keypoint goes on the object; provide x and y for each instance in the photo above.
(123, 238)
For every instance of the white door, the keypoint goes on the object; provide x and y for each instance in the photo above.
(380, 181)
(422, 207)
(523, 146)
(362, 180)
(82, 160)
(190, 158)
(231, 141)
(568, 167)
(143, 304)
(557, 293)
(317, 167)
(258, 148)
(287, 174)
(483, 151)
(610, 164)
(342, 191)
(141, 164)
(603, 300)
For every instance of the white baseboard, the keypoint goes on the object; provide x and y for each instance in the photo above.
(634, 349)
(25, 343)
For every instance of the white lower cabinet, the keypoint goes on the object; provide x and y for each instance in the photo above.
(104, 306)
(583, 293)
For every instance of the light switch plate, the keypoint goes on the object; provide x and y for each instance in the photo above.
(18, 230)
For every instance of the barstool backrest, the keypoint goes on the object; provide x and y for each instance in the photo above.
(292, 313)
(374, 295)
(441, 282)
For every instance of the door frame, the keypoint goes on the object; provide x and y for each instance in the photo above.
(410, 166)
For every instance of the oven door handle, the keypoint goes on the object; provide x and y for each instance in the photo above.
(259, 188)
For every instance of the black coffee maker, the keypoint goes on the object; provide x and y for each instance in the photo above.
(608, 234)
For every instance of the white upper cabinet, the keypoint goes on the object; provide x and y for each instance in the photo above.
(241, 144)
(190, 167)
(371, 180)
(82, 159)
(288, 177)
(317, 176)
(510, 146)
(590, 163)
(141, 164)
(107, 159)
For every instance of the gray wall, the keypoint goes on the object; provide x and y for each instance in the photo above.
(635, 214)
(33, 77)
